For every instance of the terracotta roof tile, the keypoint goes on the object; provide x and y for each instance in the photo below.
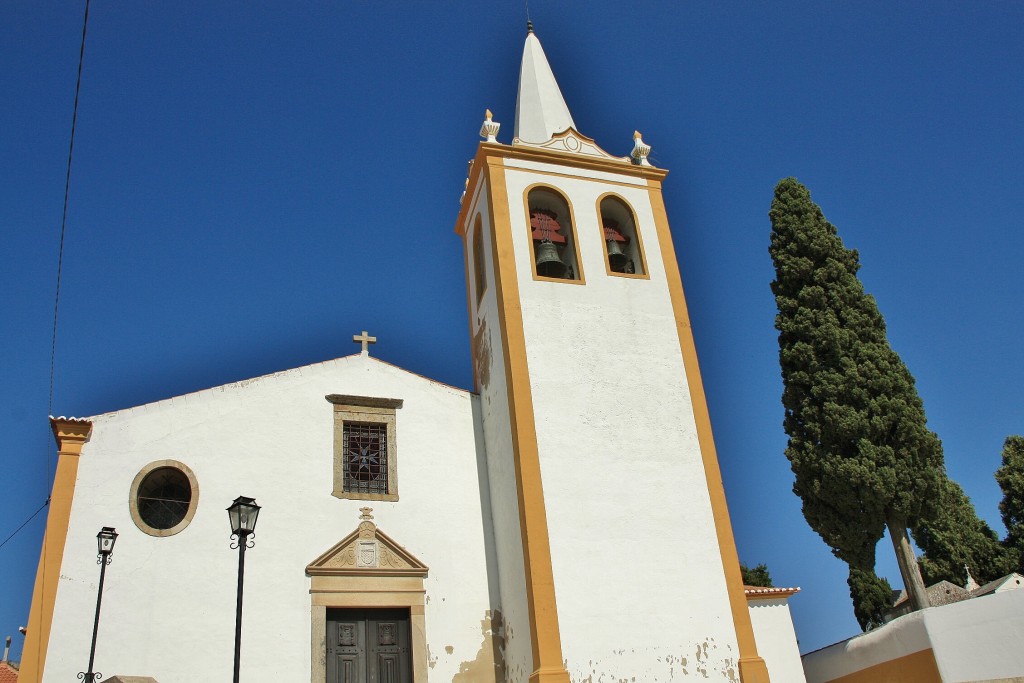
(8, 674)
(762, 593)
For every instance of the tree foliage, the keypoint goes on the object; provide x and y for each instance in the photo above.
(955, 537)
(858, 444)
(756, 576)
(1010, 477)
(872, 597)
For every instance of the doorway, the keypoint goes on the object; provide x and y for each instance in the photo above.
(368, 646)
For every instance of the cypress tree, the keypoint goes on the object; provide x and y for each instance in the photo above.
(955, 538)
(863, 457)
(1010, 477)
(872, 597)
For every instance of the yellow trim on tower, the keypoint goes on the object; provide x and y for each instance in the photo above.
(469, 304)
(752, 667)
(545, 638)
(71, 435)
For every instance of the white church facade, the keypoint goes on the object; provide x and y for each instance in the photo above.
(563, 521)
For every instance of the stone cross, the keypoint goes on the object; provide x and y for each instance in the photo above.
(365, 340)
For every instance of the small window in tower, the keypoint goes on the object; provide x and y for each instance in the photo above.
(163, 498)
(479, 266)
(552, 236)
(623, 248)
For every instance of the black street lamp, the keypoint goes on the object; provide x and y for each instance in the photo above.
(242, 514)
(105, 545)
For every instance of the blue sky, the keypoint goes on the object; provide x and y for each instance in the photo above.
(254, 183)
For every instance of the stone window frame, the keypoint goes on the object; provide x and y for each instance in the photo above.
(133, 498)
(365, 409)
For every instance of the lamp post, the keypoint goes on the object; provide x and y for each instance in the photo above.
(105, 546)
(242, 514)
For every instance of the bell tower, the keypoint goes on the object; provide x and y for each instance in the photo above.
(615, 553)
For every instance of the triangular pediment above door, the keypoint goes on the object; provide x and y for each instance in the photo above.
(367, 551)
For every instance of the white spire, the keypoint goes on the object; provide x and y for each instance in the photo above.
(540, 108)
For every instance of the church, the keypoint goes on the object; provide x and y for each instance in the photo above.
(564, 520)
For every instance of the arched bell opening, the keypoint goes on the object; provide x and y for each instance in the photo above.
(553, 235)
(623, 249)
(479, 266)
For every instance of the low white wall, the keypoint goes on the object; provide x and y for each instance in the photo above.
(973, 640)
(979, 639)
(896, 639)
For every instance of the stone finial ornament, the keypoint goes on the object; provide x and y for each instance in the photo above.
(640, 150)
(489, 129)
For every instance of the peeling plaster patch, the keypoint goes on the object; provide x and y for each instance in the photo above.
(431, 658)
(482, 347)
(489, 663)
(449, 649)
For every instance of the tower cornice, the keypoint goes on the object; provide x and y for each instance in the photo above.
(569, 160)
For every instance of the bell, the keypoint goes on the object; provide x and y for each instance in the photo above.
(618, 261)
(548, 263)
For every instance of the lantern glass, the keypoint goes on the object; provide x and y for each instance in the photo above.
(242, 514)
(105, 540)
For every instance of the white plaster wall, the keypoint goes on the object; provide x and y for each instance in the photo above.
(973, 640)
(169, 603)
(497, 437)
(979, 639)
(638, 574)
(776, 639)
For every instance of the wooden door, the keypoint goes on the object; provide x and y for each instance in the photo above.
(368, 646)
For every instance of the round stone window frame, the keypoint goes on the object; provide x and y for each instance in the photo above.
(133, 497)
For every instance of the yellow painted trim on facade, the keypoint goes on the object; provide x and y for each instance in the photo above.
(636, 232)
(581, 280)
(468, 205)
(919, 667)
(546, 642)
(752, 667)
(71, 435)
(470, 308)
